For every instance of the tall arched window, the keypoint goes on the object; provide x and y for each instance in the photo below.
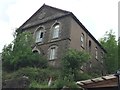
(52, 52)
(89, 45)
(55, 31)
(82, 40)
(39, 34)
(96, 53)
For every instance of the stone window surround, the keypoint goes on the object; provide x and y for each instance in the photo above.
(51, 30)
(36, 49)
(56, 50)
(96, 53)
(34, 35)
(82, 40)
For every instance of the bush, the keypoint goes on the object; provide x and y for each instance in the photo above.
(60, 83)
(35, 60)
(83, 76)
(38, 77)
(35, 84)
(7, 76)
(19, 54)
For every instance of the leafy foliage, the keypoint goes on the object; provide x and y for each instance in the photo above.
(72, 62)
(70, 71)
(111, 58)
(36, 85)
(19, 54)
(39, 77)
(18, 57)
(68, 83)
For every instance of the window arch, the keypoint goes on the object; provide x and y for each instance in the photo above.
(52, 52)
(39, 34)
(36, 50)
(55, 30)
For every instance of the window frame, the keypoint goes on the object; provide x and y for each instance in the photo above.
(82, 39)
(90, 45)
(56, 30)
(39, 31)
(55, 34)
(102, 57)
(52, 55)
(96, 53)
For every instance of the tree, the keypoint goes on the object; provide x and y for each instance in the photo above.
(72, 62)
(19, 53)
(70, 69)
(111, 58)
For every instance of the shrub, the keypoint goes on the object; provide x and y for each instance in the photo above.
(19, 54)
(61, 83)
(83, 76)
(35, 84)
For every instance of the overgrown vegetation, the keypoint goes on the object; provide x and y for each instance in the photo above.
(72, 62)
(19, 54)
(66, 76)
(38, 77)
(19, 60)
(111, 46)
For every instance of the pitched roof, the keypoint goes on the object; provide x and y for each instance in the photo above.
(52, 13)
(44, 14)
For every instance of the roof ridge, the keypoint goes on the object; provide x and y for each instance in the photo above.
(57, 8)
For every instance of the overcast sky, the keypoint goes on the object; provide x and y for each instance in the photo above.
(98, 16)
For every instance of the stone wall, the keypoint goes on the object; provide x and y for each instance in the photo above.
(22, 82)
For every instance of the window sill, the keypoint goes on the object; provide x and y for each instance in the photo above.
(82, 47)
(51, 59)
(55, 39)
(38, 43)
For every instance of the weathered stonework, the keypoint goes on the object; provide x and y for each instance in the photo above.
(69, 35)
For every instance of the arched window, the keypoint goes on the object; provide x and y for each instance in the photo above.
(39, 34)
(82, 40)
(90, 46)
(102, 57)
(52, 52)
(96, 53)
(55, 31)
(36, 50)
